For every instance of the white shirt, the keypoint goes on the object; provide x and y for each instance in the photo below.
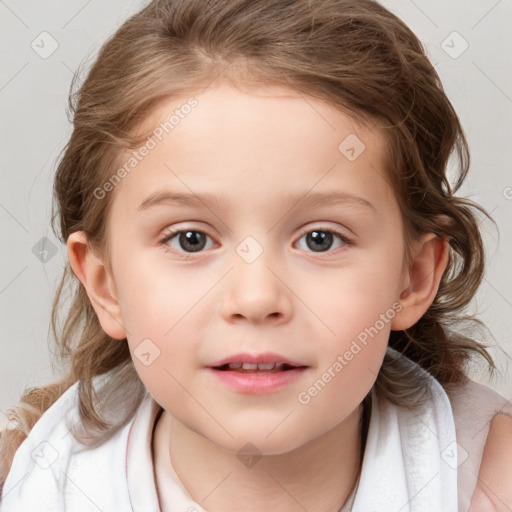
(411, 461)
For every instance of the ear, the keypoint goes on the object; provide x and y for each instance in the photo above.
(429, 261)
(97, 281)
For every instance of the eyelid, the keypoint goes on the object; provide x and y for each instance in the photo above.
(171, 232)
(335, 231)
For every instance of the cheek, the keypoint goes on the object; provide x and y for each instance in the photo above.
(158, 331)
(357, 309)
(152, 301)
(348, 367)
(356, 297)
(164, 362)
(339, 385)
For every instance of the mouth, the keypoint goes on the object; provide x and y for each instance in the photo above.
(257, 374)
(256, 367)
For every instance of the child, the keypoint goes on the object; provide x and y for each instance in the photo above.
(305, 356)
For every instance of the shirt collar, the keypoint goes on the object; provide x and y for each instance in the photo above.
(140, 466)
(139, 461)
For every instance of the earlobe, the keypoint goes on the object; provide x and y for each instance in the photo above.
(95, 278)
(429, 261)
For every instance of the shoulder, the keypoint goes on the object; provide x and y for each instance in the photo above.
(494, 488)
(51, 467)
(474, 407)
(38, 451)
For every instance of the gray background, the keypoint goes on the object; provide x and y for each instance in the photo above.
(34, 128)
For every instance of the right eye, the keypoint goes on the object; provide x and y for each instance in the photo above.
(190, 240)
(322, 238)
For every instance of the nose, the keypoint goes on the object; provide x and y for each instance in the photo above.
(257, 292)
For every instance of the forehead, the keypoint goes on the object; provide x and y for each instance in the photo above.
(245, 143)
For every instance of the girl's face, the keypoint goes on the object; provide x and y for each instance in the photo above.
(255, 270)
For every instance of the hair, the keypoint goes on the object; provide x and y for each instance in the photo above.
(353, 54)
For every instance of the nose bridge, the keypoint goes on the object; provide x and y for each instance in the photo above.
(255, 289)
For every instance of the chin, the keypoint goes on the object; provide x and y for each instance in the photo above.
(268, 436)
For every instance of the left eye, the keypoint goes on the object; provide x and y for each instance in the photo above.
(320, 239)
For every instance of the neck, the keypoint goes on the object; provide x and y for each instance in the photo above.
(318, 476)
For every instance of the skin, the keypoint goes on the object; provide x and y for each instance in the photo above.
(493, 492)
(256, 147)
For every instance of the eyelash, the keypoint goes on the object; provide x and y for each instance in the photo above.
(169, 235)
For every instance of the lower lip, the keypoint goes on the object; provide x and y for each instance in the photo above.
(258, 383)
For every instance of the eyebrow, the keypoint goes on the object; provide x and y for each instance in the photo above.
(304, 200)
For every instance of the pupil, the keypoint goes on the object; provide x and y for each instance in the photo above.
(191, 240)
(322, 240)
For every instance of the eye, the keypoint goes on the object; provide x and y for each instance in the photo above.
(321, 239)
(190, 240)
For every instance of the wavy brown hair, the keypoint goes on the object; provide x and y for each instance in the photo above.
(353, 54)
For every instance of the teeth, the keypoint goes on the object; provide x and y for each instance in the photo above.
(255, 366)
(266, 366)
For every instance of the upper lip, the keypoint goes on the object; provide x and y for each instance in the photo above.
(266, 357)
